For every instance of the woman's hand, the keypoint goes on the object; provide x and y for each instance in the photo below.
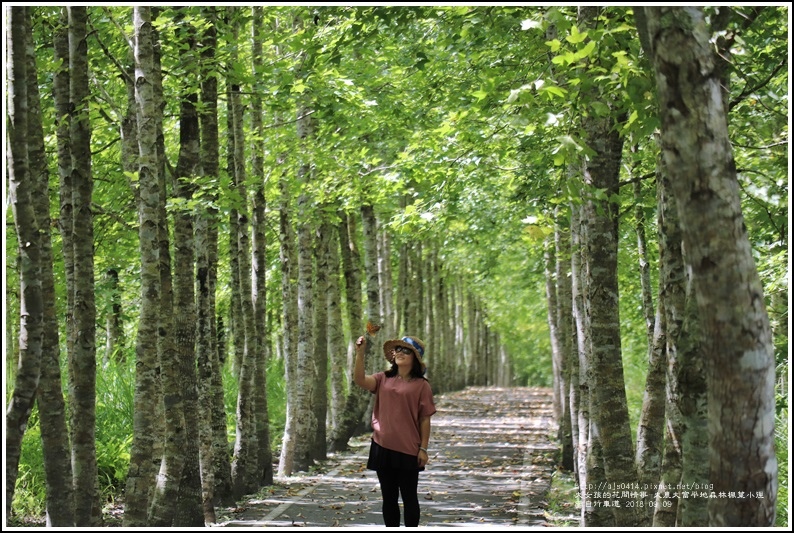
(422, 458)
(361, 345)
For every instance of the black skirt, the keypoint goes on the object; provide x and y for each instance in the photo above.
(384, 458)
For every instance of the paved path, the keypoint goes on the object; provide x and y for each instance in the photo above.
(492, 455)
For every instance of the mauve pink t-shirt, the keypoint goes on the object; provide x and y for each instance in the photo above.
(395, 415)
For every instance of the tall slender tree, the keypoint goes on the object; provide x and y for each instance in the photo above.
(336, 338)
(355, 404)
(82, 393)
(319, 401)
(259, 251)
(50, 398)
(187, 504)
(215, 452)
(289, 275)
(562, 289)
(737, 337)
(141, 475)
(609, 409)
(21, 188)
(305, 422)
(244, 464)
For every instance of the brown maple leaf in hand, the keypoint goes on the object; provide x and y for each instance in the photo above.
(372, 329)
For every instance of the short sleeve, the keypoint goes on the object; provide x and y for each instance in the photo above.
(379, 377)
(427, 406)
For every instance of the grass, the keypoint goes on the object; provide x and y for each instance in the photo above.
(782, 518)
(564, 505)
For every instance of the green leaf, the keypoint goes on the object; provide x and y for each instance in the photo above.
(632, 118)
(562, 60)
(601, 109)
(553, 90)
(575, 37)
(554, 45)
(586, 50)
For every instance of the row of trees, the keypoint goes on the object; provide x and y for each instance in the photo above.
(185, 214)
(431, 170)
(709, 398)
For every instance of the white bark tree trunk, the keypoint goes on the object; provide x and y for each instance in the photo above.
(736, 332)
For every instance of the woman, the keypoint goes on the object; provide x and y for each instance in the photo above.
(400, 424)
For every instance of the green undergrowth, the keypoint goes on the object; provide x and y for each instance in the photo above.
(564, 506)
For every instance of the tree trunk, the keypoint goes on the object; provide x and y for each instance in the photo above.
(60, 90)
(687, 437)
(411, 295)
(609, 410)
(644, 263)
(431, 342)
(549, 261)
(176, 338)
(735, 325)
(319, 401)
(564, 328)
(370, 226)
(303, 413)
(336, 337)
(589, 513)
(141, 475)
(52, 409)
(244, 477)
(357, 399)
(672, 302)
(650, 428)
(443, 379)
(402, 286)
(114, 329)
(289, 282)
(259, 246)
(214, 452)
(129, 128)
(387, 283)
(166, 342)
(236, 320)
(471, 327)
(83, 385)
(31, 308)
(693, 406)
(189, 507)
(170, 411)
(374, 353)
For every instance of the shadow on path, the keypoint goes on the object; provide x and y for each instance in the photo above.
(492, 455)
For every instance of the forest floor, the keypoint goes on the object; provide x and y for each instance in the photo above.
(493, 459)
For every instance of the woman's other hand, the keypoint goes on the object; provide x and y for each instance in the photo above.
(422, 458)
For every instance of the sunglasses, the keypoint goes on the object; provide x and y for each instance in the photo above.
(403, 349)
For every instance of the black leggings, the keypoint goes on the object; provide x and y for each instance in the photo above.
(393, 483)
